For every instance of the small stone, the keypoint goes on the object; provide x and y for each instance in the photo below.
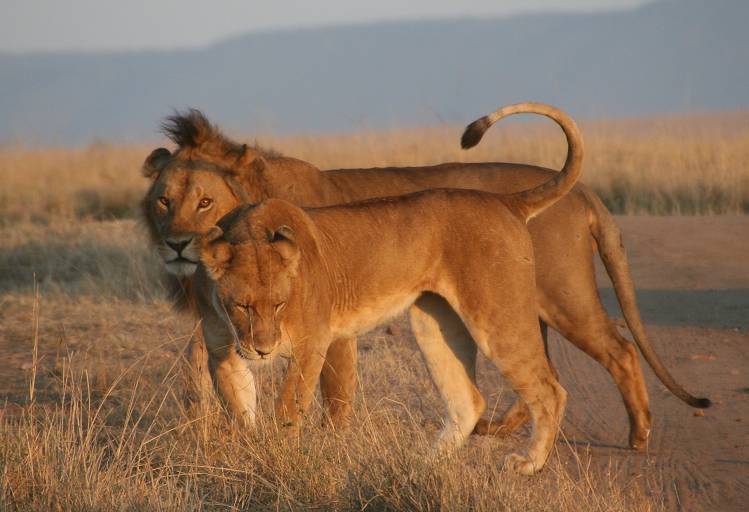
(698, 412)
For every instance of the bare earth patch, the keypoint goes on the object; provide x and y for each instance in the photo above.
(690, 272)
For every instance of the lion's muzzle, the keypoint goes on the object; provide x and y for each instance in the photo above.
(179, 256)
(178, 245)
(256, 350)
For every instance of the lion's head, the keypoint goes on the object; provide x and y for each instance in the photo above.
(253, 262)
(193, 187)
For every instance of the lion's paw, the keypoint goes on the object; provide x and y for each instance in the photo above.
(521, 464)
(639, 440)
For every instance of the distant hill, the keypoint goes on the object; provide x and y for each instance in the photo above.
(671, 55)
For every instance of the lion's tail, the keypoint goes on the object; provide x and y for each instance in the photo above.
(608, 237)
(533, 201)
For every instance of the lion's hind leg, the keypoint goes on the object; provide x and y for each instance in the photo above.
(450, 355)
(516, 348)
(518, 414)
(514, 418)
(585, 323)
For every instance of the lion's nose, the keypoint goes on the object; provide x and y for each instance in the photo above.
(263, 351)
(177, 246)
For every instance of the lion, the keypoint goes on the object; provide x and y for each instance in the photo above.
(208, 175)
(290, 281)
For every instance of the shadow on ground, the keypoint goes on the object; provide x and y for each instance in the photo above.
(726, 308)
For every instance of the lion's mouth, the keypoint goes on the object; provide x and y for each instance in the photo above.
(182, 259)
(251, 355)
(181, 266)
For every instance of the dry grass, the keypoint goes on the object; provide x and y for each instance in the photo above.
(119, 438)
(667, 165)
(99, 182)
(133, 448)
(107, 258)
(108, 429)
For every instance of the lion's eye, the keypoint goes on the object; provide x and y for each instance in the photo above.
(164, 201)
(205, 203)
(280, 307)
(244, 308)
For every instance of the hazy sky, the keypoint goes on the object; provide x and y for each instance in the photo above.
(60, 25)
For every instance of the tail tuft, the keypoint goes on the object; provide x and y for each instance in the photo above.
(474, 131)
(701, 403)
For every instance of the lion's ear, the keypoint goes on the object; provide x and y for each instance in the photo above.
(282, 232)
(155, 162)
(249, 172)
(213, 234)
(283, 240)
(250, 158)
(215, 253)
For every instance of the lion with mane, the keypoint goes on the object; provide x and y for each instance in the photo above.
(209, 174)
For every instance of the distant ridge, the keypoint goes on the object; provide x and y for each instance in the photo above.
(667, 56)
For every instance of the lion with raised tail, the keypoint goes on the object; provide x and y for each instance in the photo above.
(209, 174)
(288, 280)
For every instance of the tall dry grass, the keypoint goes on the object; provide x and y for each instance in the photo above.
(96, 182)
(111, 259)
(108, 430)
(696, 164)
(93, 413)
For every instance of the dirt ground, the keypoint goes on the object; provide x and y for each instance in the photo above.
(692, 275)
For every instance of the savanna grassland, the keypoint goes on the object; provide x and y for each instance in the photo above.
(693, 165)
(94, 413)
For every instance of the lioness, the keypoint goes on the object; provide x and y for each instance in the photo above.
(461, 261)
(208, 175)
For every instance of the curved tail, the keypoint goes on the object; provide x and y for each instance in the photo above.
(608, 237)
(533, 201)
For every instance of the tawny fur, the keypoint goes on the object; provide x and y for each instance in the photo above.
(340, 271)
(565, 238)
(289, 281)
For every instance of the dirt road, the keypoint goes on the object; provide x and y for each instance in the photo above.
(692, 276)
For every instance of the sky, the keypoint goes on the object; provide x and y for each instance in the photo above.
(100, 25)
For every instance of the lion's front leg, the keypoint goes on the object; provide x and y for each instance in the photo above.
(200, 380)
(299, 386)
(338, 381)
(236, 384)
(234, 380)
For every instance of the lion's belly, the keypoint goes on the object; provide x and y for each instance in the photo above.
(363, 317)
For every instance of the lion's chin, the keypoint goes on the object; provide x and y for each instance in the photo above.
(254, 357)
(181, 268)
